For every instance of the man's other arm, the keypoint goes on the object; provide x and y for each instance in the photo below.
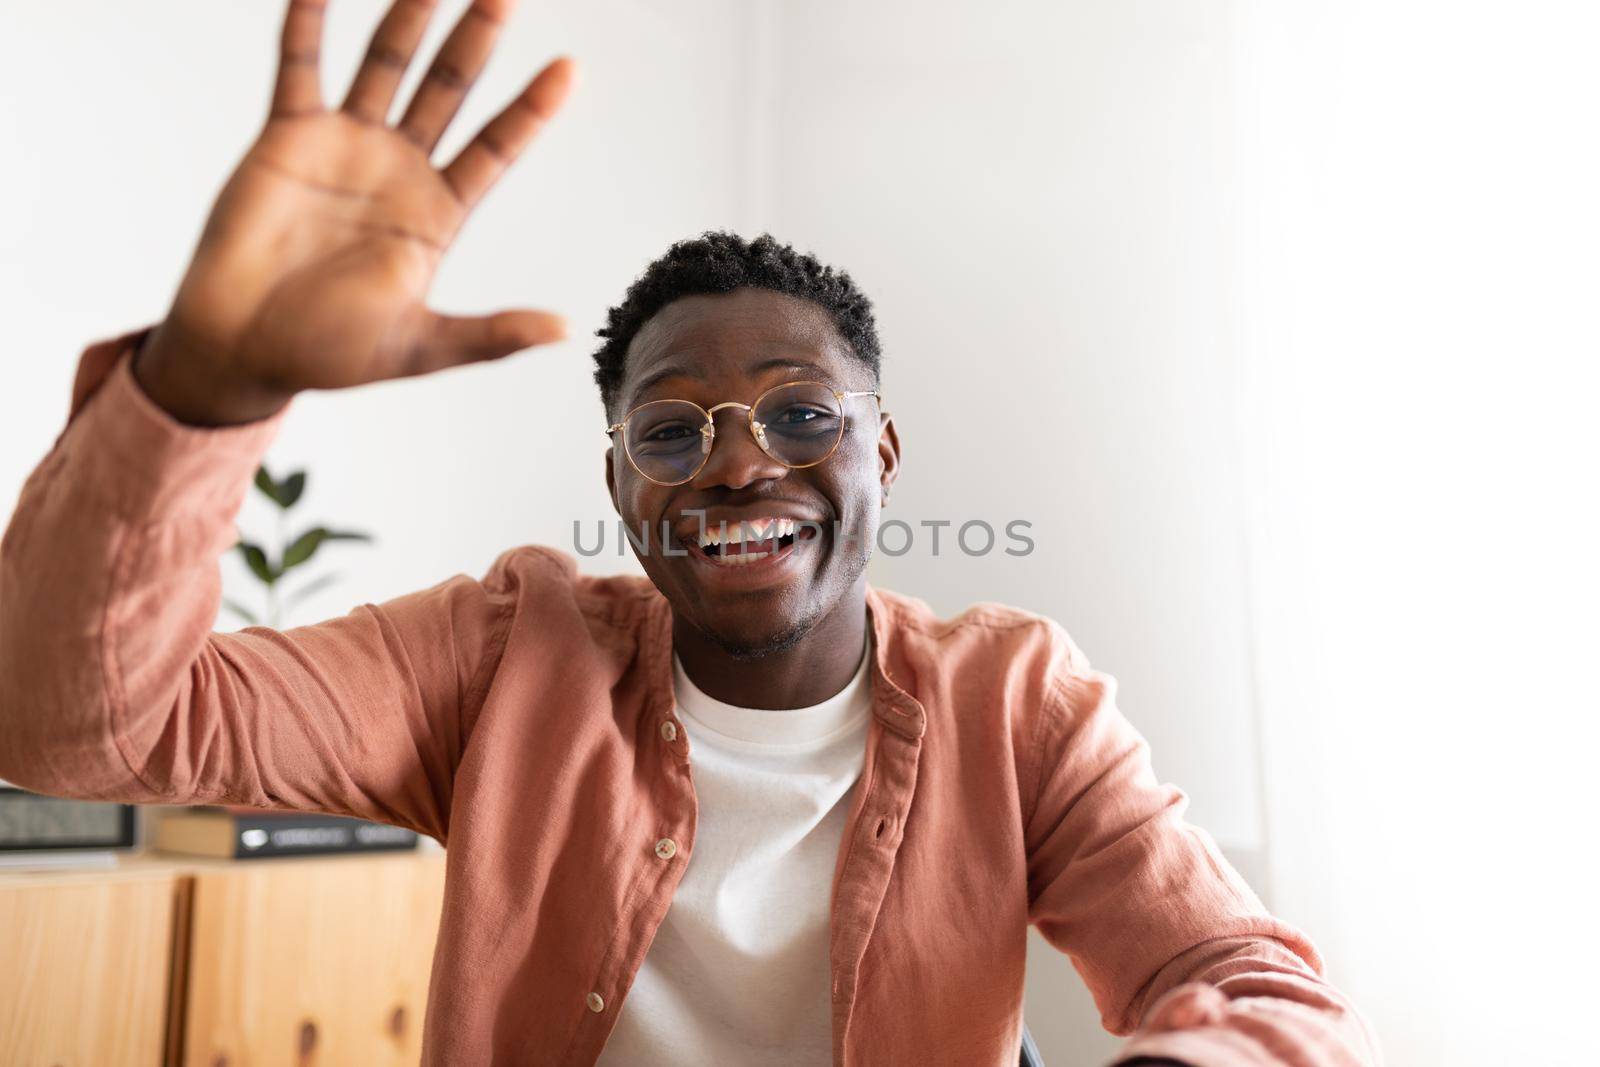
(1175, 947)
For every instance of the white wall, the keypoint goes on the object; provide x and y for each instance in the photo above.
(1418, 281)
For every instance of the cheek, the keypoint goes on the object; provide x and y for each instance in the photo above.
(632, 503)
(638, 500)
(856, 465)
(855, 489)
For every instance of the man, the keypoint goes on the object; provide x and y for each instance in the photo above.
(751, 810)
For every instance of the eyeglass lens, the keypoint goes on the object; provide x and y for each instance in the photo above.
(797, 425)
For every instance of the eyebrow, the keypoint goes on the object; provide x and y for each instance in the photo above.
(663, 374)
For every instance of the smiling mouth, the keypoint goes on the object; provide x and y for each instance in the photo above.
(743, 544)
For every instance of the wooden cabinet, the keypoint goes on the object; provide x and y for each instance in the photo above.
(293, 962)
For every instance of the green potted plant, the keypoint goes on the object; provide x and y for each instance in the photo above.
(288, 553)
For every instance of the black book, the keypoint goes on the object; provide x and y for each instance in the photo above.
(232, 833)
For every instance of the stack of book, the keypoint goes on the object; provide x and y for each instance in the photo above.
(230, 832)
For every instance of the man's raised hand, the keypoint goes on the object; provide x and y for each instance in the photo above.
(314, 266)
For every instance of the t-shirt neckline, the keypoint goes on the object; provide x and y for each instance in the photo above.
(777, 726)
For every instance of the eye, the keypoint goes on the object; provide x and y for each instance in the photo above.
(796, 414)
(668, 432)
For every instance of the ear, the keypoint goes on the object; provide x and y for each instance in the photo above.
(888, 454)
(611, 480)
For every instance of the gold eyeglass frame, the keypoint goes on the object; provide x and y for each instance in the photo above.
(758, 431)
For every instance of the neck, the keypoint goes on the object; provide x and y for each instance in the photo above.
(815, 668)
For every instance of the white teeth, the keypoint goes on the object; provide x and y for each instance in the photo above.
(750, 530)
(741, 559)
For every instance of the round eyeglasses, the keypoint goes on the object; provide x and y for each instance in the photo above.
(799, 424)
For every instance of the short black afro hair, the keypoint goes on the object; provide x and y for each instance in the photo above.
(720, 262)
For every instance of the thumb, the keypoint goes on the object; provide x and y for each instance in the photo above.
(451, 340)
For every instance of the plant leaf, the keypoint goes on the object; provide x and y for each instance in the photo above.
(256, 559)
(284, 493)
(290, 488)
(265, 483)
(316, 585)
(302, 548)
(240, 610)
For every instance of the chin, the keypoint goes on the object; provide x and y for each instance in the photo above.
(743, 645)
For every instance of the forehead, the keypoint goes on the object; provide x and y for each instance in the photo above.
(729, 337)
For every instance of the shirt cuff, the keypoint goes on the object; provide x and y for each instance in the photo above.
(132, 454)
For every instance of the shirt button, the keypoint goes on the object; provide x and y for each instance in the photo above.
(597, 1003)
(666, 848)
(669, 730)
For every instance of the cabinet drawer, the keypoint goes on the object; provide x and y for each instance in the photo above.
(309, 963)
(84, 982)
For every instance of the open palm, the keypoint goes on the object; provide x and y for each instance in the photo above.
(315, 264)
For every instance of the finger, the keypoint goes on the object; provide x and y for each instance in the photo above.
(299, 87)
(451, 340)
(498, 144)
(394, 43)
(460, 60)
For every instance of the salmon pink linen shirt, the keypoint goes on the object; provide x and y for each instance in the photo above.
(525, 720)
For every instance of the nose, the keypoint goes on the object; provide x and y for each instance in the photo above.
(736, 460)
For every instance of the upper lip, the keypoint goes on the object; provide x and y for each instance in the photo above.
(762, 523)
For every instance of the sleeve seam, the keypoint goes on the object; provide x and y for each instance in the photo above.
(1050, 707)
(493, 651)
(110, 673)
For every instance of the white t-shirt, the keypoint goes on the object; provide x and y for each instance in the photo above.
(738, 972)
